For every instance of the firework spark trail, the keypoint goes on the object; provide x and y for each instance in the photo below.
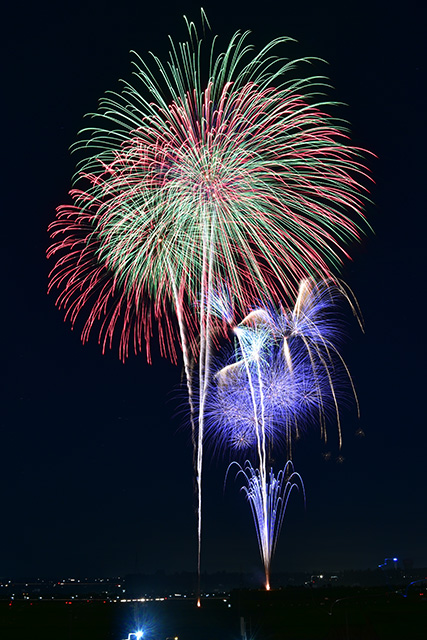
(204, 372)
(253, 353)
(253, 150)
(185, 352)
(309, 320)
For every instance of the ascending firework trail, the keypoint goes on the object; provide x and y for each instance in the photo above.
(186, 182)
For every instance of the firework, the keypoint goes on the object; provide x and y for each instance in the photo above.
(183, 186)
(268, 501)
(287, 399)
(186, 184)
(285, 373)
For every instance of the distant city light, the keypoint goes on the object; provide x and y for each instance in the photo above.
(386, 561)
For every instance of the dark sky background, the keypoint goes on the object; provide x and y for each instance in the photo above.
(96, 468)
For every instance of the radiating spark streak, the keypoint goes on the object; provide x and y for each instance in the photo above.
(287, 353)
(257, 317)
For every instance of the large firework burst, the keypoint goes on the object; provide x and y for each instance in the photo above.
(183, 184)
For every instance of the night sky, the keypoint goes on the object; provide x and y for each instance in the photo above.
(96, 459)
